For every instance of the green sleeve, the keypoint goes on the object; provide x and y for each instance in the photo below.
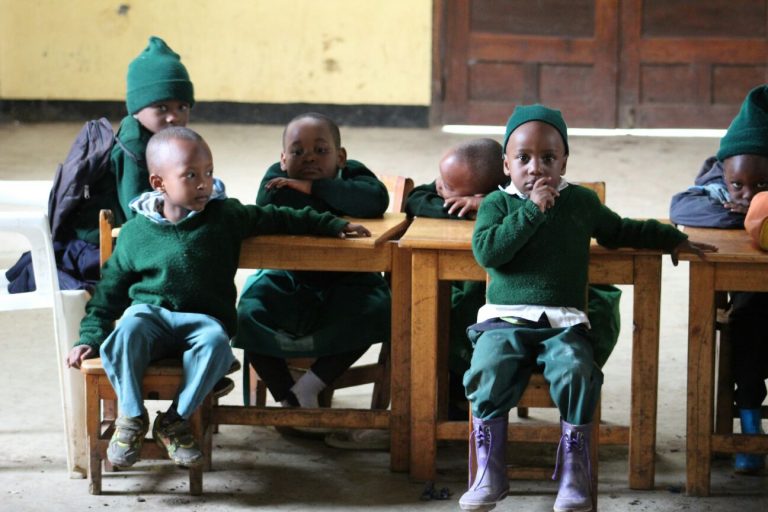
(613, 231)
(424, 201)
(504, 225)
(270, 219)
(357, 192)
(128, 163)
(110, 299)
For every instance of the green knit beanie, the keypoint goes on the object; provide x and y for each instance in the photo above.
(526, 113)
(748, 133)
(157, 74)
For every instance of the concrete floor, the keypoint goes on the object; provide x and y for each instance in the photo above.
(257, 468)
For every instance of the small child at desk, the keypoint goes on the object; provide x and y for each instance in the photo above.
(467, 173)
(171, 278)
(332, 316)
(720, 198)
(533, 239)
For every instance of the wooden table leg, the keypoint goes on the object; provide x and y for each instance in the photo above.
(645, 371)
(701, 353)
(400, 358)
(424, 333)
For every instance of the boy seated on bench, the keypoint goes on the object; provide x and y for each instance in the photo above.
(171, 278)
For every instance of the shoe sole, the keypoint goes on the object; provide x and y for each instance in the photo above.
(482, 506)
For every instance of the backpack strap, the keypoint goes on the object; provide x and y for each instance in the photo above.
(133, 156)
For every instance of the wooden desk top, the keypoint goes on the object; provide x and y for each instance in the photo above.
(382, 230)
(734, 245)
(449, 234)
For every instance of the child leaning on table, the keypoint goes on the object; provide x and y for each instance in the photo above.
(533, 239)
(723, 193)
(467, 173)
(331, 316)
(171, 278)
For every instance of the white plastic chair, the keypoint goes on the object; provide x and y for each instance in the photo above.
(68, 309)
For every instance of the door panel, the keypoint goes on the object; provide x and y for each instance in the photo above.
(604, 63)
(503, 53)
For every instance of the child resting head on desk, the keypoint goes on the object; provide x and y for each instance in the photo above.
(468, 172)
(331, 316)
(727, 187)
(170, 281)
(533, 239)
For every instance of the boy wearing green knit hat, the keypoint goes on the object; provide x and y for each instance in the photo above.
(533, 239)
(720, 198)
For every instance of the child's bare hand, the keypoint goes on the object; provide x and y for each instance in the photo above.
(303, 186)
(354, 230)
(697, 248)
(737, 207)
(544, 194)
(78, 354)
(464, 206)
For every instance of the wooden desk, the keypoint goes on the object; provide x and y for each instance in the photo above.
(737, 266)
(374, 254)
(440, 252)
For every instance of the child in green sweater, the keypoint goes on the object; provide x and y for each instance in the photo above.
(533, 239)
(171, 278)
(468, 172)
(331, 316)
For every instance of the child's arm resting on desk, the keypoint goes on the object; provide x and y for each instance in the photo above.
(698, 248)
(270, 219)
(110, 299)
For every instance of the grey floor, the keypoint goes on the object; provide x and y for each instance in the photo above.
(257, 468)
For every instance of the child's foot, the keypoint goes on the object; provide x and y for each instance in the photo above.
(124, 448)
(223, 387)
(175, 436)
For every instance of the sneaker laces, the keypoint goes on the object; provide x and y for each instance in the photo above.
(480, 436)
(572, 441)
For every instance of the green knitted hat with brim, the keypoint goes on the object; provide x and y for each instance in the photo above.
(527, 113)
(748, 133)
(157, 74)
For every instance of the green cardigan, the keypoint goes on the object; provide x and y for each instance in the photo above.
(189, 266)
(356, 192)
(424, 201)
(542, 258)
(132, 176)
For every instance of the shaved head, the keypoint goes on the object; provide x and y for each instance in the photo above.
(484, 158)
(159, 146)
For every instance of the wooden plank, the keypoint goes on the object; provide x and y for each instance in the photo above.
(424, 336)
(280, 416)
(645, 372)
(700, 403)
(400, 357)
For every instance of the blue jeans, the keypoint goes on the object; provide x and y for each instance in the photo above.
(146, 333)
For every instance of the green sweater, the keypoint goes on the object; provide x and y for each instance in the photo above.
(424, 201)
(131, 174)
(189, 266)
(356, 192)
(543, 258)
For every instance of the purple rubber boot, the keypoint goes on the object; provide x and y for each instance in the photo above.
(488, 482)
(575, 492)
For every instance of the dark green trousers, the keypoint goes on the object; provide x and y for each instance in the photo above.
(504, 359)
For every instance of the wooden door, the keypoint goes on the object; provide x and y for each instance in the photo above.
(501, 53)
(604, 63)
(689, 63)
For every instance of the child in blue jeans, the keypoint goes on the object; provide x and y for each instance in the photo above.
(720, 198)
(171, 278)
(533, 239)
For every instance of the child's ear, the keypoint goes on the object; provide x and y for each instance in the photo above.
(341, 161)
(156, 182)
(507, 172)
(565, 162)
(283, 165)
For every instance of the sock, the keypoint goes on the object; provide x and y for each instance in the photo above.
(307, 388)
(290, 400)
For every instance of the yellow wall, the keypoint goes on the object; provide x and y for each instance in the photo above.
(261, 51)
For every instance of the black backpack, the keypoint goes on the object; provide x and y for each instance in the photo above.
(86, 163)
